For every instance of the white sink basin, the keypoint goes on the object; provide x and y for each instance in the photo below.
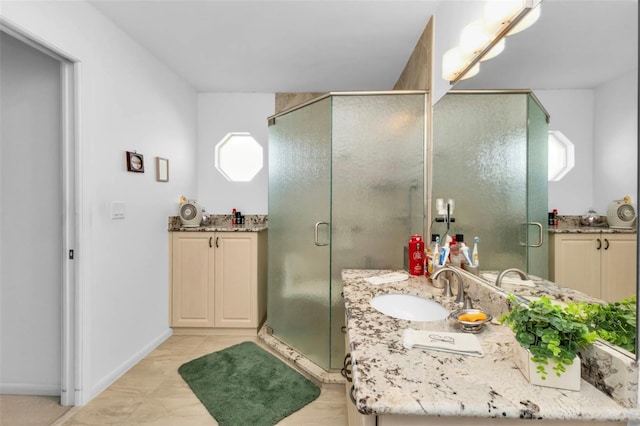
(408, 307)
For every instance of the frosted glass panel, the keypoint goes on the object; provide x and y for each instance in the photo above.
(357, 163)
(537, 188)
(377, 188)
(480, 161)
(299, 197)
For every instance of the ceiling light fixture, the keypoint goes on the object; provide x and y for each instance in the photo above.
(484, 38)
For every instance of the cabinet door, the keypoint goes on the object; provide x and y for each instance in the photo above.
(618, 266)
(576, 262)
(192, 273)
(236, 279)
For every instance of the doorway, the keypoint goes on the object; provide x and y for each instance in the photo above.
(37, 220)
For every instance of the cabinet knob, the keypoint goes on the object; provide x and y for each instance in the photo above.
(346, 368)
(210, 242)
(353, 400)
(599, 244)
(606, 247)
(217, 238)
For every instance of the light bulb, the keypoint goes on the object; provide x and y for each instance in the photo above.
(499, 12)
(473, 71)
(529, 19)
(495, 50)
(473, 38)
(453, 61)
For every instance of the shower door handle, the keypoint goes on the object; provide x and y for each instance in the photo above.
(315, 234)
(539, 226)
(526, 230)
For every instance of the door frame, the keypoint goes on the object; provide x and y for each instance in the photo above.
(71, 390)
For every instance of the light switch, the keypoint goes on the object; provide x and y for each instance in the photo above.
(117, 210)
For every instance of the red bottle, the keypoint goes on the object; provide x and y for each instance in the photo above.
(416, 255)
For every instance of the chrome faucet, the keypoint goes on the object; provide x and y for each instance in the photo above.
(460, 294)
(501, 275)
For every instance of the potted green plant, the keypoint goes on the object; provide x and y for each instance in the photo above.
(614, 322)
(550, 335)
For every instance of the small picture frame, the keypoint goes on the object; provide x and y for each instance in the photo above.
(162, 169)
(135, 162)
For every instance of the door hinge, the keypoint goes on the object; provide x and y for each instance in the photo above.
(71, 254)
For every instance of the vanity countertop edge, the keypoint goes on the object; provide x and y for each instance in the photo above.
(591, 230)
(221, 223)
(389, 379)
(221, 228)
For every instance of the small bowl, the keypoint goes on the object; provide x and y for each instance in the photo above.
(470, 326)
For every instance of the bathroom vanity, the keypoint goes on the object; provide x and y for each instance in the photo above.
(218, 277)
(600, 262)
(397, 386)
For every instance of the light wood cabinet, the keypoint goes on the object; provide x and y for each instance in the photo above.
(218, 280)
(602, 265)
(618, 267)
(192, 278)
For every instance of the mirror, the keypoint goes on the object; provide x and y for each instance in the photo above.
(579, 56)
(577, 50)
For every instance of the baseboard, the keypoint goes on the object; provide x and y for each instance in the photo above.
(125, 366)
(29, 389)
(210, 331)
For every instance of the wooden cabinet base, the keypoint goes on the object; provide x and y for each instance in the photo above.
(218, 282)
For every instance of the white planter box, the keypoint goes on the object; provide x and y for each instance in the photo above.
(569, 380)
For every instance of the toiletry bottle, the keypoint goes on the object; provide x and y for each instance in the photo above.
(474, 255)
(431, 257)
(455, 255)
(555, 218)
(416, 255)
(465, 254)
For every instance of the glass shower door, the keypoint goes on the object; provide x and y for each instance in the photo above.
(299, 236)
(378, 144)
(537, 189)
(480, 161)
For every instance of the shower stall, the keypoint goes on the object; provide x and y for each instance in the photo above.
(346, 190)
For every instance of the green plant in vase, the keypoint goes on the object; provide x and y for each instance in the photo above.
(550, 332)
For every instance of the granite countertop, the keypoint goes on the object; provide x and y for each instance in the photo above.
(222, 228)
(221, 223)
(568, 224)
(390, 379)
(592, 230)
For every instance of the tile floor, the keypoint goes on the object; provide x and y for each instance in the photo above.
(30, 410)
(153, 393)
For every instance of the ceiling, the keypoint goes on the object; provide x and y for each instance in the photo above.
(331, 45)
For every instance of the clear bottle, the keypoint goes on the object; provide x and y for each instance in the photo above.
(432, 254)
(455, 255)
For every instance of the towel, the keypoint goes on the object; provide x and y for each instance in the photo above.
(508, 280)
(387, 278)
(455, 343)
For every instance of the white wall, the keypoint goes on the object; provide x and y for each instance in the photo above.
(572, 113)
(616, 141)
(219, 114)
(128, 101)
(602, 124)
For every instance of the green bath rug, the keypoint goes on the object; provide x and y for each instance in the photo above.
(245, 385)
